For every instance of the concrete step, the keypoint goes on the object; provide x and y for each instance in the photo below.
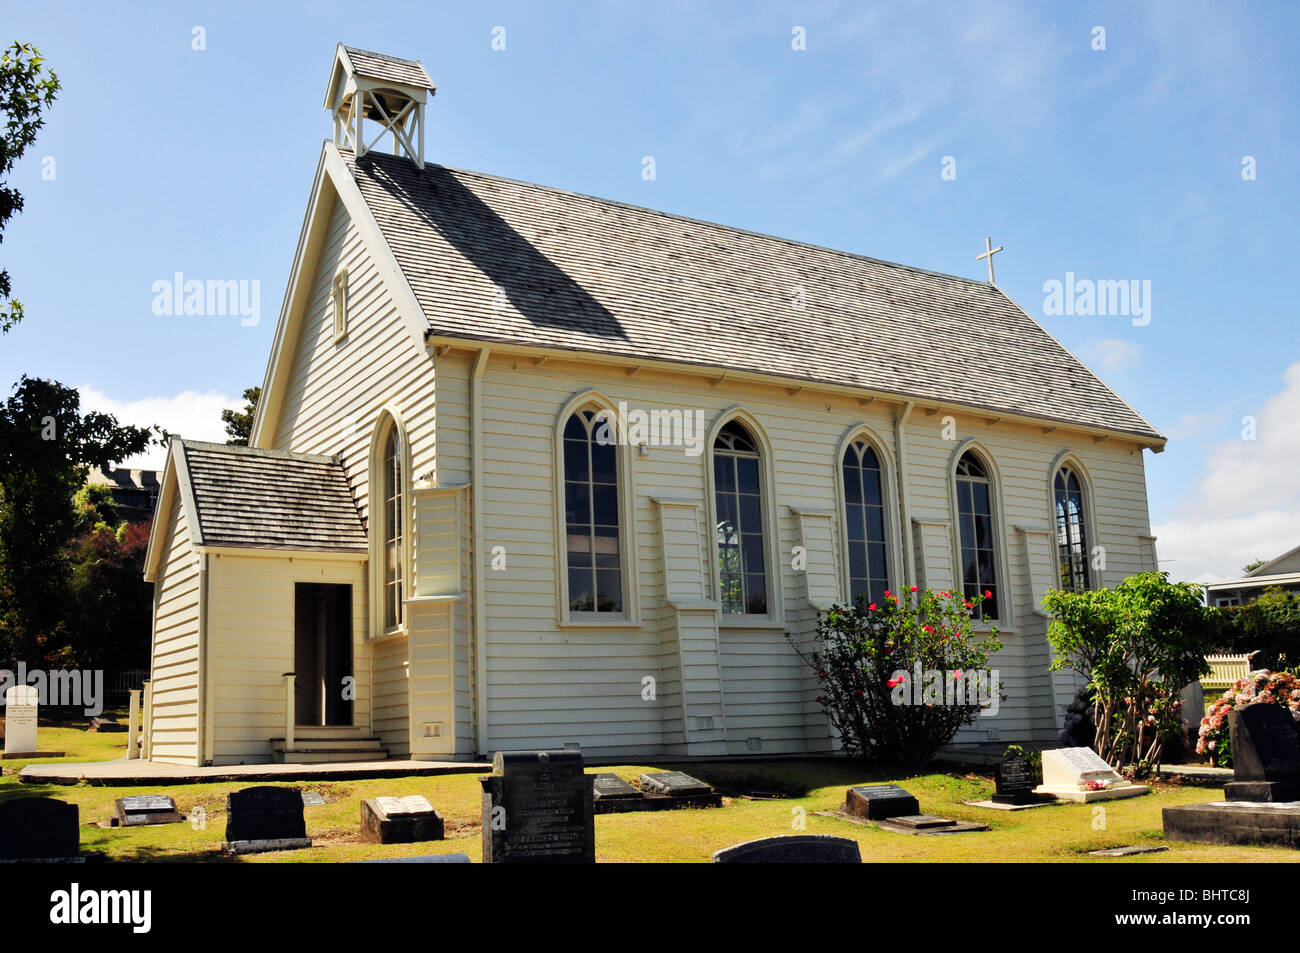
(314, 756)
(327, 744)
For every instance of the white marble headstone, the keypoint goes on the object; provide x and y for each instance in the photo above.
(1080, 774)
(20, 719)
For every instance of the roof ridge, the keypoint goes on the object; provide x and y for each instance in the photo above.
(264, 452)
(382, 56)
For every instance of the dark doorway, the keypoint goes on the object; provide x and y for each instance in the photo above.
(322, 653)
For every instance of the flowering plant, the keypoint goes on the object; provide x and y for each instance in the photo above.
(1258, 688)
(898, 677)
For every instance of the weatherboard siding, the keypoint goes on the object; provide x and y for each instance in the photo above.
(175, 655)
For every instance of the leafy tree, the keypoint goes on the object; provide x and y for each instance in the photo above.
(1137, 645)
(27, 89)
(93, 505)
(1253, 565)
(111, 605)
(47, 446)
(239, 424)
(867, 661)
(1268, 625)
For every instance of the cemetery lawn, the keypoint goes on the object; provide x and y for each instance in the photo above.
(1061, 833)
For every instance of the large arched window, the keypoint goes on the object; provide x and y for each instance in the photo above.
(391, 468)
(864, 521)
(742, 551)
(976, 533)
(591, 513)
(1071, 538)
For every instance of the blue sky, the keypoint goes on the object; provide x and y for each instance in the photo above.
(1122, 163)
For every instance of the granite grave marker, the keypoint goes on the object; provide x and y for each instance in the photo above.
(792, 849)
(538, 808)
(400, 820)
(140, 809)
(1265, 754)
(877, 801)
(39, 828)
(265, 818)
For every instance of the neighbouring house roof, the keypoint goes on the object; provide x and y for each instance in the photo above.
(1290, 559)
(264, 499)
(1256, 582)
(495, 260)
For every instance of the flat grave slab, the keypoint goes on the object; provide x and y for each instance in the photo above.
(992, 805)
(400, 820)
(1130, 851)
(1082, 776)
(100, 723)
(792, 849)
(426, 859)
(312, 799)
(1235, 822)
(874, 802)
(141, 809)
(659, 791)
(673, 783)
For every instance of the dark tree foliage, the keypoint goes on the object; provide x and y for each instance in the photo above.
(239, 424)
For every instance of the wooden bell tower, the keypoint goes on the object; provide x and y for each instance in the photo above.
(384, 91)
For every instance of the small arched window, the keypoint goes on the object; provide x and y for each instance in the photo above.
(591, 513)
(1071, 538)
(978, 540)
(864, 521)
(738, 493)
(391, 463)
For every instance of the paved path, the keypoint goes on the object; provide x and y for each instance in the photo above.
(124, 773)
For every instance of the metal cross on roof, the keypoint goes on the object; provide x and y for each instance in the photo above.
(989, 252)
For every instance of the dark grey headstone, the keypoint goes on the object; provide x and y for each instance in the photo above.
(792, 849)
(100, 723)
(674, 784)
(264, 813)
(400, 820)
(1265, 744)
(139, 809)
(877, 801)
(1234, 822)
(1015, 781)
(611, 787)
(538, 808)
(38, 828)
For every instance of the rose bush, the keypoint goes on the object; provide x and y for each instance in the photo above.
(1258, 688)
(866, 660)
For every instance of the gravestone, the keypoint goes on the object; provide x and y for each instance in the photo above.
(100, 723)
(792, 849)
(538, 808)
(611, 787)
(426, 859)
(38, 828)
(312, 799)
(1081, 775)
(1015, 781)
(140, 809)
(1235, 822)
(400, 820)
(1265, 754)
(20, 721)
(674, 784)
(264, 818)
(877, 801)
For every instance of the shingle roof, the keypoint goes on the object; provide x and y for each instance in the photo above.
(590, 274)
(380, 66)
(270, 499)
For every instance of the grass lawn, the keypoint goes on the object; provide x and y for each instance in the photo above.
(1057, 833)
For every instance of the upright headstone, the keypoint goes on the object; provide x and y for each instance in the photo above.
(400, 820)
(140, 809)
(792, 849)
(265, 818)
(1080, 774)
(1265, 754)
(878, 801)
(1015, 781)
(20, 721)
(537, 808)
(38, 828)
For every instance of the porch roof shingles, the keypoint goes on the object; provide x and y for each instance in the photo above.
(593, 275)
(271, 499)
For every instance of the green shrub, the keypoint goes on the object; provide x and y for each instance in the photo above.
(870, 655)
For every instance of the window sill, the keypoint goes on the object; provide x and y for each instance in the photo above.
(388, 636)
(615, 623)
(753, 622)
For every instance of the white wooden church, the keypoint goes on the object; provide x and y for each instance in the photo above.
(430, 550)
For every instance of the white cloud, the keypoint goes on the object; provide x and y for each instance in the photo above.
(1246, 504)
(1195, 424)
(192, 414)
(1110, 354)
